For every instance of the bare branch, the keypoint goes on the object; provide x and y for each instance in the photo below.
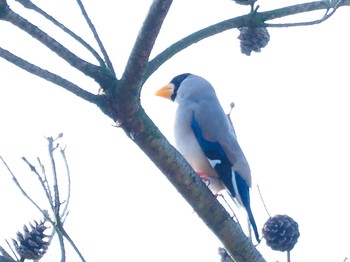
(30, 5)
(44, 213)
(47, 75)
(147, 136)
(262, 200)
(65, 209)
(57, 202)
(45, 183)
(61, 240)
(42, 182)
(97, 38)
(298, 9)
(58, 220)
(65, 234)
(7, 255)
(245, 20)
(6, 259)
(143, 46)
(13, 251)
(193, 38)
(100, 74)
(326, 16)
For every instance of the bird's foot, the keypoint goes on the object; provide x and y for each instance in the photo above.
(204, 177)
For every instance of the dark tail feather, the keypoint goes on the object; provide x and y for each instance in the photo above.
(225, 172)
(252, 222)
(243, 191)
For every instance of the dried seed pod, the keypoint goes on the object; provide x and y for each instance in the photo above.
(253, 39)
(281, 233)
(32, 243)
(245, 2)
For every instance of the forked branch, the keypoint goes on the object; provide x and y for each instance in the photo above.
(30, 5)
(100, 74)
(47, 75)
(257, 18)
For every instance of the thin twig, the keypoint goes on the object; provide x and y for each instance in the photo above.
(57, 203)
(23, 191)
(46, 183)
(52, 234)
(231, 23)
(49, 76)
(288, 256)
(42, 182)
(189, 40)
(298, 9)
(96, 36)
(11, 248)
(326, 16)
(230, 208)
(100, 74)
(54, 202)
(64, 212)
(3, 251)
(65, 234)
(30, 5)
(61, 240)
(262, 200)
(7, 259)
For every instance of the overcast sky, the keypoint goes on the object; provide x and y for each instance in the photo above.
(291, 118)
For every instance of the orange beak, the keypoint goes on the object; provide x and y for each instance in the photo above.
(166, 91)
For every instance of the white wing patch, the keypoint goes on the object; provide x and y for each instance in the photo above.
(214, 162)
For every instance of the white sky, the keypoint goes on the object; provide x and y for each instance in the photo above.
(291, 118)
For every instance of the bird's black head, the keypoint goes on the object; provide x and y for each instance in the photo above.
(176, 81)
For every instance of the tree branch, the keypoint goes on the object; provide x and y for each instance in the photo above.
(298, 9)
(146, 135)
(30, 5)
(65, 209)
(101, 75)
(326, 16)
(123, 105)
(56, 199)
(131, 81)
(47, 75)
(237, 22)
(44, 183)
(97, 38)
(193, 38)
(7, 255)
(43, 212)
(71, 242)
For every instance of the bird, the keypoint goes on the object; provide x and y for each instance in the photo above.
(205, 136)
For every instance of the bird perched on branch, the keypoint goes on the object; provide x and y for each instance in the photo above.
(206, 139)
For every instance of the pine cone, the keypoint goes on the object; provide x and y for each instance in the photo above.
(31, 244)
(253, 39)
(245, 2)
(281, 232)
